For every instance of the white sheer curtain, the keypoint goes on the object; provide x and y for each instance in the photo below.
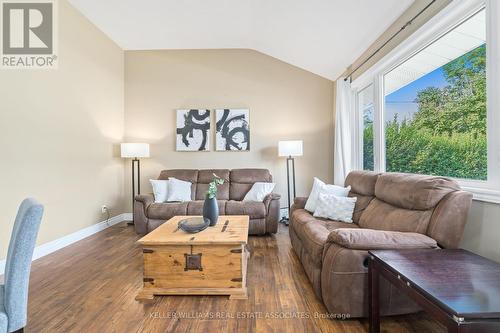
(344, 115)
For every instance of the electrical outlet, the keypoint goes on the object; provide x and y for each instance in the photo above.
(104, 209)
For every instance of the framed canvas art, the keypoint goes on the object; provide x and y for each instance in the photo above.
(232, 130)
(193, 130)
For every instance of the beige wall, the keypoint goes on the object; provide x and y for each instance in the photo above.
(483, 229)
(58, 132)
(285, 102)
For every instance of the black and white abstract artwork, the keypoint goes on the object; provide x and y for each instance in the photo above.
(193, 130)
(232, 129)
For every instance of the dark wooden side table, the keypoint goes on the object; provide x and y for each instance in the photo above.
(457, 288)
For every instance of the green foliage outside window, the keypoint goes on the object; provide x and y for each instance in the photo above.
(368, 145)
(447, 135)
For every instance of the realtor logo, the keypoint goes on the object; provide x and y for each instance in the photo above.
(28, 34)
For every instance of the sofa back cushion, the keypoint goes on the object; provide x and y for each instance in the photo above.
(405, 202)
(380, 215)
(205, 177)
(242, 180)
(362, 182)
(361, 203)
(238, 181)
(182, 174)
(411, 191)
(362, 187)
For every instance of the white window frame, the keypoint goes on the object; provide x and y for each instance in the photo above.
(359, 130)
(451, 16)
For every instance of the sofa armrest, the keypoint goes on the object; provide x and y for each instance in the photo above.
(369, 239)
(272, 203)
(141, 205)
(270, 197)
(299, 203)
(146, 199)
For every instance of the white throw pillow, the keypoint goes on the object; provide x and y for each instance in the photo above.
(259, 191)
(318, 186)
(160, 189)
(335, 208)
(178, 190)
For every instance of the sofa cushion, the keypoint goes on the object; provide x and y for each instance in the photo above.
(313, 232)
(383, 216)
(360, 206)
(237, 191)
(259, 191)
(362, 185)
(254, 209)
(250, 175)
(411, 191)
(182, 174)
(362, 182)
(196, 207)
(315, 235)
(336, 208)
(242, 180)
(369, 239)
(160, 189)
(321, 187)
(179, 190)
(166, 210)
(205, 177)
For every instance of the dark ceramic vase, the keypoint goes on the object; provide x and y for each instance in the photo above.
(211, 210)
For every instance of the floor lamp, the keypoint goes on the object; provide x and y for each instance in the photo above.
(135, 151)
(290, 149)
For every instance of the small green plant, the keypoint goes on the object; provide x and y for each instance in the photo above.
(212, 186)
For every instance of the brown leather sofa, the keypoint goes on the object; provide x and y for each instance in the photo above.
(264, 216)
(393, 211)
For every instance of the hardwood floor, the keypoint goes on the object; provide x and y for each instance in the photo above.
(91, 285)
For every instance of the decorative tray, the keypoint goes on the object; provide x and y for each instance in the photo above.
(193, 224)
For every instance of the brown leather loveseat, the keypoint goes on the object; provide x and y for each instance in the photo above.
(264, 216)
(393, 211)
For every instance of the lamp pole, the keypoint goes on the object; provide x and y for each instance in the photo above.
(135, 151)
(289, 149)
(289, 160)
(134, 161)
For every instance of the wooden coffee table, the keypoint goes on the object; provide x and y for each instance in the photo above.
(211, 262)
(458, 288)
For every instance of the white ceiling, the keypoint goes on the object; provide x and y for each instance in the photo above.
(457, 42)
(321, 36)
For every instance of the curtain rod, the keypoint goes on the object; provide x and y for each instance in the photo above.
(349, 76)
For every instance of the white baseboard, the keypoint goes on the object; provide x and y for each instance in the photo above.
(47, 248)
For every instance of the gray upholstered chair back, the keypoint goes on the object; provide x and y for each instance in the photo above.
(18, 265)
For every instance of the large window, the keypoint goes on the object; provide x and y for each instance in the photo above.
(431, 106)
(435, 106)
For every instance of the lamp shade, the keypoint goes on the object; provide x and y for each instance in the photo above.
(290, 148)
(133, 150)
